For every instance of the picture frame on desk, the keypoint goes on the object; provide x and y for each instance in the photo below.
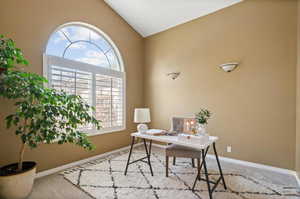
(183, 124)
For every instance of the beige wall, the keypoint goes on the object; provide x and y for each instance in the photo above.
(298, 99)
(30, 23)
(254, 106)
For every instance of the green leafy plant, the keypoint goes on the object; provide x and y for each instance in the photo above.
(202, 116)
(10, 56)
(43, 115)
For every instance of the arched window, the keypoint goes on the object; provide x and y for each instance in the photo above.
(82, 60)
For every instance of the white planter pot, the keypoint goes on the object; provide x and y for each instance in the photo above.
(18, 186)
(201, 129)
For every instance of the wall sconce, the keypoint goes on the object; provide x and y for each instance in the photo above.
(174, 75)
(228, 67)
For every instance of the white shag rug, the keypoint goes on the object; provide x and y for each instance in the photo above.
(105, 179)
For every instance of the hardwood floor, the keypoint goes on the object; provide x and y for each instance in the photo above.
(56, 187)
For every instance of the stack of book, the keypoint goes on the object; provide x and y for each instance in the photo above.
(156, 132)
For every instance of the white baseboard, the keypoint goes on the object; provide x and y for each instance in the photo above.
(73, 164)
(254, 165)
(246, 163)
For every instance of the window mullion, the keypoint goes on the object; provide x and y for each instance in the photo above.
(111, 101)
(75, 83)
(61, 87)
(94, 90)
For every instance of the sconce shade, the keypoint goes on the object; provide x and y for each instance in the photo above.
(142, 115)
(174, 75)
(228, 67)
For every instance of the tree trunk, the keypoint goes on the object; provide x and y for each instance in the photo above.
(21, 155)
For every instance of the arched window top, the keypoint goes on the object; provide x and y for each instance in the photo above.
(84, 43)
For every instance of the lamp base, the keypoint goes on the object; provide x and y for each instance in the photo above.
(142, 128)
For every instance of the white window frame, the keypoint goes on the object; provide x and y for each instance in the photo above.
(49, 60)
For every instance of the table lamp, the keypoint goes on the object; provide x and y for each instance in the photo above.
(142, 116)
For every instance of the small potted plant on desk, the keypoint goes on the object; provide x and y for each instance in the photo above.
(202, 117)
(41, 115)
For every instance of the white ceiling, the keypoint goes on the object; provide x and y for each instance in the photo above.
(152, 16)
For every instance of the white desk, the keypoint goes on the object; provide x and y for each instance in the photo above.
(174, 140)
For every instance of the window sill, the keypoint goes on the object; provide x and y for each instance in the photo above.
(92, 133)
(105, 131)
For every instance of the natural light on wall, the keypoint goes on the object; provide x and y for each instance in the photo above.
(82, 60)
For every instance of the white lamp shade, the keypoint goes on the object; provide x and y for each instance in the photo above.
(142, 115)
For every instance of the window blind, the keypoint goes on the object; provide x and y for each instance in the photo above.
(109, 106)
(101, 88)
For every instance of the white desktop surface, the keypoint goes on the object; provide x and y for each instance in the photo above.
(174, 140)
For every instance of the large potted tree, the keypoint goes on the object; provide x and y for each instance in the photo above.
(41, 116)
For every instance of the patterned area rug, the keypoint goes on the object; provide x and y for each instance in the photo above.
(104, 178)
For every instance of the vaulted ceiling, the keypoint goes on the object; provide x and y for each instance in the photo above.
(149, 17)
